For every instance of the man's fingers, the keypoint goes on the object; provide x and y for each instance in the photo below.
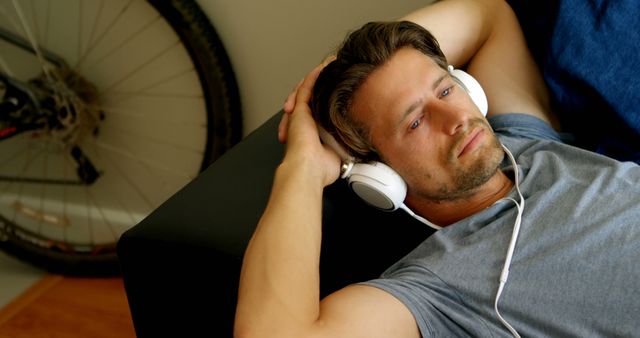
(282, 128)
(303, 95)
(297, 101)
(290, 102)
(328, 60)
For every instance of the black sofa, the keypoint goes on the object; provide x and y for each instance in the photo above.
(182, 263)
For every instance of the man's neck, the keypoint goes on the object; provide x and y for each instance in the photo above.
(444, 213)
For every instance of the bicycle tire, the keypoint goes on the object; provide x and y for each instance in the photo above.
(224, 129)
(215, 71)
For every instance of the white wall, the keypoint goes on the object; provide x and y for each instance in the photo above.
(273, 44)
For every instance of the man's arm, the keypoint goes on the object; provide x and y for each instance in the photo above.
(279, 283)
(487, 39)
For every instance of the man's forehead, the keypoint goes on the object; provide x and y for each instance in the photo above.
(389, 87)
(402, 74)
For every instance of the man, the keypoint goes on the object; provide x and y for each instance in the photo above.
(574, 270)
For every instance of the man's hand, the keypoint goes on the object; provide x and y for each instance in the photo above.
(289, 103)
(299, 131)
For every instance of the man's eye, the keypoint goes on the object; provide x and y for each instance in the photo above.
(415, 124)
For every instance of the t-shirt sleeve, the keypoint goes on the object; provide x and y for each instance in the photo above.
(438, 309)
(524, 126)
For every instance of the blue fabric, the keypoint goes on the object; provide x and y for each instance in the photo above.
(589, 52)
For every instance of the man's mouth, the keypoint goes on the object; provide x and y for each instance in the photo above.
(471, 142)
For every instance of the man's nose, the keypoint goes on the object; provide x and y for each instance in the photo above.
(450, 118)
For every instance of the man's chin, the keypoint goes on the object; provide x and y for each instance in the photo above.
(471, 176)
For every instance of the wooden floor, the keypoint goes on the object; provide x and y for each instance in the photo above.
(59, 306)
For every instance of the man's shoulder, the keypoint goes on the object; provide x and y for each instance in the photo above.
(524, 126)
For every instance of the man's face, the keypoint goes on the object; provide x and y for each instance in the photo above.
(426, 127)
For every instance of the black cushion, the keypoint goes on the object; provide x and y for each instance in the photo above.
(181, 264)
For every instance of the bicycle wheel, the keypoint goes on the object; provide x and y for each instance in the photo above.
(137, 97)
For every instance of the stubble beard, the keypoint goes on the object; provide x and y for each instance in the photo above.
(467, 179)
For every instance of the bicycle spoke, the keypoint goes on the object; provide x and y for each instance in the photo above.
(10, 159)
(123, 43)
(110, 26)
(114, 233)
(80, 31)
(10, 18)
(21, 185)
(65, 173)
(17, 29)
(43, 187)
(89, 216)
(32, 40)
(147, 162)
(159, 141)
(34, 21)
(28, 205)
(91, 35)
(122, 97)
(75, 204)
(135, 71)
(135, 187)
(164, 120)
(53, 222)
(91, 200)
(164, 108)
(145, 91)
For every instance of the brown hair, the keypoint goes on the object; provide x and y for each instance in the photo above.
(361, 53)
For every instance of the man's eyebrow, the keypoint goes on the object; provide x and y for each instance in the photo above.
(413, 106)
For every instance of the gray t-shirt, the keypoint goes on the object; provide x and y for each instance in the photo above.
(576, 266)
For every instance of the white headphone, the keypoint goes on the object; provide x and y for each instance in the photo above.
(375, 182)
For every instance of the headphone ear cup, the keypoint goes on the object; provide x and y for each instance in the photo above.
(472, 87)
(378, 185)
